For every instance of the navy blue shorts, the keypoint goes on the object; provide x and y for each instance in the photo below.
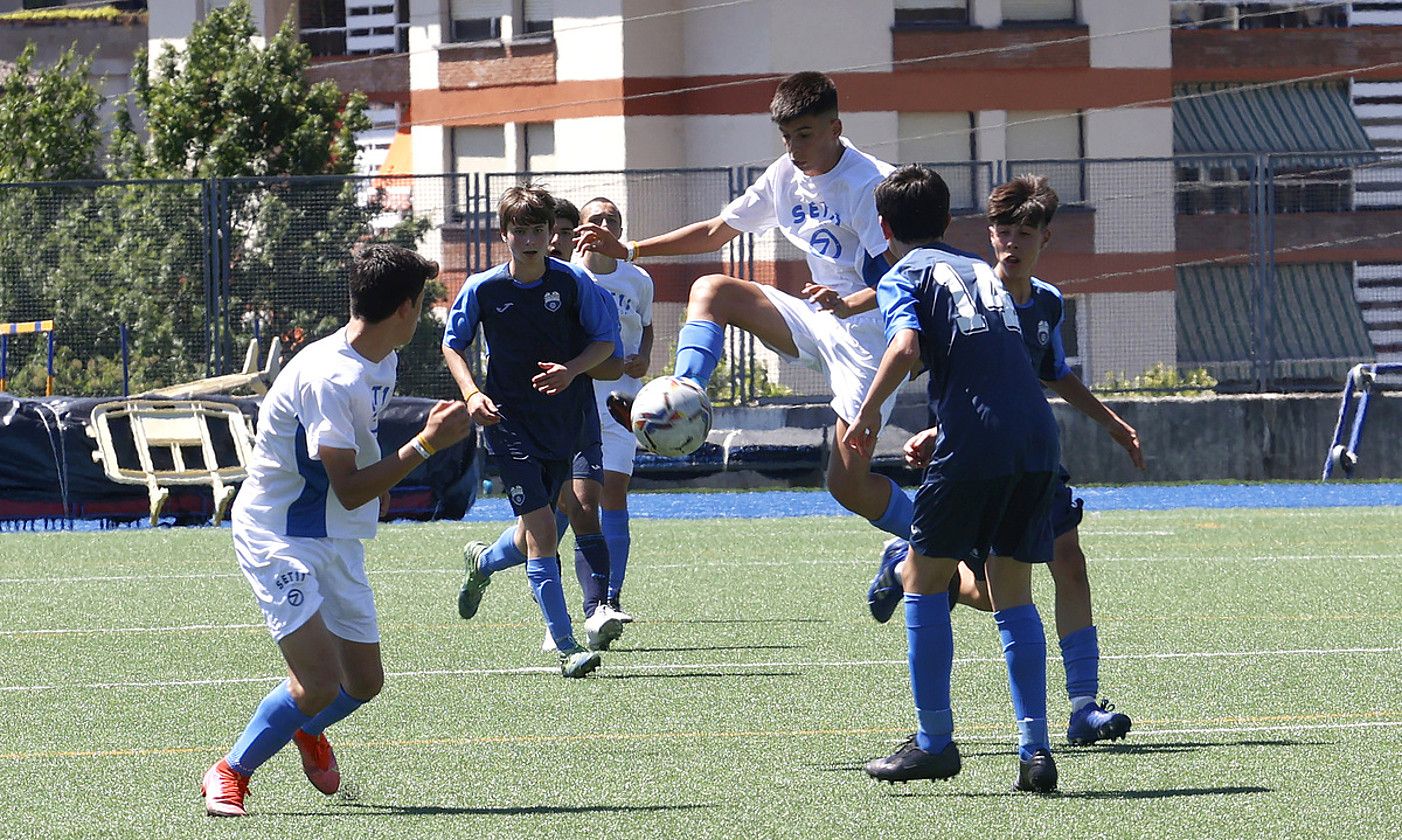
(532, 483)
(1065, 516)
(1007, 514)
(589, 461)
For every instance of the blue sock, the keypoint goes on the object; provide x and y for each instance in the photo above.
(562, 524)
(699, 348)
(544, 575)
(930, 642)
(1080, 654)
(504, 554)
(900, 512)
(616, 533)
(340, 709)
(591, 564)
(1025, 652)
(273, 723)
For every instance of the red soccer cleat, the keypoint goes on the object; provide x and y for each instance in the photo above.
(223, 790)
(318, 761)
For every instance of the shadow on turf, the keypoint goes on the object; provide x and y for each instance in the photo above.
(1065, 753)
(1165, 793)
(690, 674)
(385, 810)
(701, 648)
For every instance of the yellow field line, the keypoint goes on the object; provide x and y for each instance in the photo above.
(649, 736)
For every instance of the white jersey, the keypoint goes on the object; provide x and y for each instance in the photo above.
(832, 216)
(328, 395)
(631, 289)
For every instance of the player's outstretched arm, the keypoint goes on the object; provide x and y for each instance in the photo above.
(1078, 396)
(696, 238)
(448, 423)
(902, 355)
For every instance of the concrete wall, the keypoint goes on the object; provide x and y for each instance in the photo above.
(1215, 438)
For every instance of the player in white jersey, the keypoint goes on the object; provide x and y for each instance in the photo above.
(632, 290)
(820, 195)
(315, 489)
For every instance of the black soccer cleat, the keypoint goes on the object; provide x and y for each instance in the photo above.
(621, 409)
(1092, 723)
(1037, 774)
(910, 762)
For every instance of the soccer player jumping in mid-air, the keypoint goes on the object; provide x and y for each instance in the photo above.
(819, 194)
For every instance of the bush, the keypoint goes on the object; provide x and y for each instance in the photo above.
(1160, 378)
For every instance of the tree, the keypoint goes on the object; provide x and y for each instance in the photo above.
(48, 120)
(226, 108)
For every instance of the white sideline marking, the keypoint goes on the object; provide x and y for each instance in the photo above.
(857, 561)
(105, 630)
(696, 666)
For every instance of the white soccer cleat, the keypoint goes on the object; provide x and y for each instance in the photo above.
(602, 628)
(618, 612)
(548, 645)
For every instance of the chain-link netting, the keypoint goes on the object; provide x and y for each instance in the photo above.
(1239, 272)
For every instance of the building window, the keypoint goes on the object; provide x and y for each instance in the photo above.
(945, 141)
(538, 147)
(1039, 11)
(916, 14)
(500, 20)
(1296, 14)
(1049, 143)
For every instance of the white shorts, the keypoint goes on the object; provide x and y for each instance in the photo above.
(619, 443)
(294, 578)
(846, 350)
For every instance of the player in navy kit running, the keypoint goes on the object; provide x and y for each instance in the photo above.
(991, 470)
(548, 331)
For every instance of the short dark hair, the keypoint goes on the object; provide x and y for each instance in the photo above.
(526, 205)
(1025, 200)
(565, 209)
(914, 201)
(602, 199)
(383, 276)
(803, 94)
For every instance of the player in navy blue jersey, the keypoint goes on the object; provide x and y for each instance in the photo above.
(991, 469)
(1019, 215)
(548, 331)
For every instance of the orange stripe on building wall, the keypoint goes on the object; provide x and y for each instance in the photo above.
(909, 90)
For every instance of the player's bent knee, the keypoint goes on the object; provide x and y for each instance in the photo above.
(365, 687)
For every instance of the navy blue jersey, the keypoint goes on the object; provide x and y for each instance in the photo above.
(1040, 318)
(993, 419)
(551, 320)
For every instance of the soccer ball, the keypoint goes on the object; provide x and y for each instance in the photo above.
(671, 416)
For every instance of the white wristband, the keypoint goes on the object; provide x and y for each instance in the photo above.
(419, 448)
(632, 251)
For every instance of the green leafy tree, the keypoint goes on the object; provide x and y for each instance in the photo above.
(49, 128)
(48, 131)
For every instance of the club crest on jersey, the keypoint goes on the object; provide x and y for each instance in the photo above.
(1043, 333)
(552, 301)
(518, 495)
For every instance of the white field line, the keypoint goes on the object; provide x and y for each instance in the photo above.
(857, 561)
(698, 666)
(968, 734)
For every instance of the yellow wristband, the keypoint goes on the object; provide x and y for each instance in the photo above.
(632, 251)
(470, 394)
(422, 445)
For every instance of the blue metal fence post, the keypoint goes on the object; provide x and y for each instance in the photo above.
(126, 364)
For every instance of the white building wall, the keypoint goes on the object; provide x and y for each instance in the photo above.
(1145, 49)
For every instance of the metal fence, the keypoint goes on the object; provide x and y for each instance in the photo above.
(1234, 272)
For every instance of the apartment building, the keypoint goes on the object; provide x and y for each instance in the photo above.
(671, 97)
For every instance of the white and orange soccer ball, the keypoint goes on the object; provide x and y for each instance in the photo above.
(671, 416)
